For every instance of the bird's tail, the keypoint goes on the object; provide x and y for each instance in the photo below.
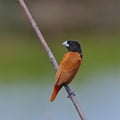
(55, 92)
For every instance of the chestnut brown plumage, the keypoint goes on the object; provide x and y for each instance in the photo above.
(68, 67)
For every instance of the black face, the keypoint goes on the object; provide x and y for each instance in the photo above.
(73, 46)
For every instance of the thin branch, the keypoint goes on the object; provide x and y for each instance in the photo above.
(51, 56)
(39, 34)
(75, 103)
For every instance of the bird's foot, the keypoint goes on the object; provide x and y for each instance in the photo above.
(71, 93)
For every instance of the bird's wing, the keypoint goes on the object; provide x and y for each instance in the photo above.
(68, 68)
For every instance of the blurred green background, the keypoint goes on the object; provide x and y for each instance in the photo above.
(27, 76)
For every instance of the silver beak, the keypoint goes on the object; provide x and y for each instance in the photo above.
(65, 44)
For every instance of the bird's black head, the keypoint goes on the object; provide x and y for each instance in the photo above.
(73, 46)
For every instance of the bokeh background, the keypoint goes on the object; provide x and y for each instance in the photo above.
(27, 76)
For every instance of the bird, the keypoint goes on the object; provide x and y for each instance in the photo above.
(68, 66)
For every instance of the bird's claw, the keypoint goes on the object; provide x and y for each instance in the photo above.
(71, 93)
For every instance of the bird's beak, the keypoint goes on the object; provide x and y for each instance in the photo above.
(65, 44)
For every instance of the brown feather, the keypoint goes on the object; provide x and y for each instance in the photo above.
(55, 92)
(67, 70)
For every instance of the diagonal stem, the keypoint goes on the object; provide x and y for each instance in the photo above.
(51, 56)
(39, 34)
(75, 102)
